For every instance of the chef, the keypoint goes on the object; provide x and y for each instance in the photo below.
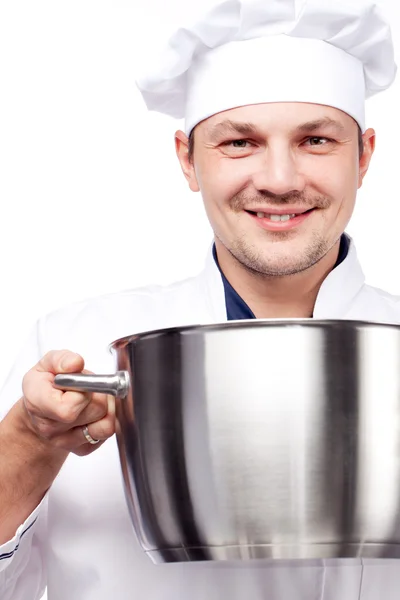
(273, 97)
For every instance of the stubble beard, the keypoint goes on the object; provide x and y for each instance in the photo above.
(268, 263)
(279, 263)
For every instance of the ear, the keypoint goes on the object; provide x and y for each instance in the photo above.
(369, 139)
(187, 166)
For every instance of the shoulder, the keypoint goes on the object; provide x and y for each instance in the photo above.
(110, 305)
(116, 315)
(382, 296)
(377, 304)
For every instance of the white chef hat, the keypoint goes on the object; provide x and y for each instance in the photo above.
(242, 52)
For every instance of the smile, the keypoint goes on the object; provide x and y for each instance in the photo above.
(277, 218)
(275, 222)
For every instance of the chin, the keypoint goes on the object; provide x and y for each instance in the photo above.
(294, 258)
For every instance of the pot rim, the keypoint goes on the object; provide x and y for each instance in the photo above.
(249, 324)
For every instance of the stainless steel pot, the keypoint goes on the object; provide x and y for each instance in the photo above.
(259, 439)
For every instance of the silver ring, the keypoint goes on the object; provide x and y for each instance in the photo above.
(87, 435)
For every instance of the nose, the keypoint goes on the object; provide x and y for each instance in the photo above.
(278, 172)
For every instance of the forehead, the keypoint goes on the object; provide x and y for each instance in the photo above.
(281, 117)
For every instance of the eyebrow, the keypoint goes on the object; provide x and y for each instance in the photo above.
(319, 124)
(229, 126)
(247, 129)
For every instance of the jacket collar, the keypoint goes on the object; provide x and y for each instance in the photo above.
(340, 287)
(333, 301)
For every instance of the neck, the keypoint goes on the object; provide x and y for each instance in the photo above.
(271, 297)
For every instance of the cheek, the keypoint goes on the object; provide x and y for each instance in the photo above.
(347, 192)
(338, 182)
(220, 181)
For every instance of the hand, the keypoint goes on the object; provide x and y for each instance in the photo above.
(59, 417)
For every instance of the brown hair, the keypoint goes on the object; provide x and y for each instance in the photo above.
(191, 144)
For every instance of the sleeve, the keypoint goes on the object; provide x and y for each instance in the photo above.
(22, 567)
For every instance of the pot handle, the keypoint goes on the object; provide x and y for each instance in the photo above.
(116, 384)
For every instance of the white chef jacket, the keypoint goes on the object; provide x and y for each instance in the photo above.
(79, 541)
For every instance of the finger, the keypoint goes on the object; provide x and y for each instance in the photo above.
(99, 430)
(45, 402)
(60, 361)
(87, 449)
(49, 425)
(97, 409)
(37, 383)
(74, 439)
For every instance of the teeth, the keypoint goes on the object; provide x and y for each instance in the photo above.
(275, 218)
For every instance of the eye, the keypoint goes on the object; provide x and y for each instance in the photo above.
(317, 141)
(237, 143)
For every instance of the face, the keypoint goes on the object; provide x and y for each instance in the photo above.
(279, 181)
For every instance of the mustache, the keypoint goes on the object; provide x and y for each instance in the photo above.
(293, 199)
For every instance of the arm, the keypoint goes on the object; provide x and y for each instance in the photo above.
(36, 436)
(28, 467)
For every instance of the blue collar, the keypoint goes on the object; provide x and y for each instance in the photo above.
(237, 309)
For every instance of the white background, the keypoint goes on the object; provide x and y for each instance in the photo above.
(91, 194)
(92, 198)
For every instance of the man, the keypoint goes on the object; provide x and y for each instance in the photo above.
(276, 142)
